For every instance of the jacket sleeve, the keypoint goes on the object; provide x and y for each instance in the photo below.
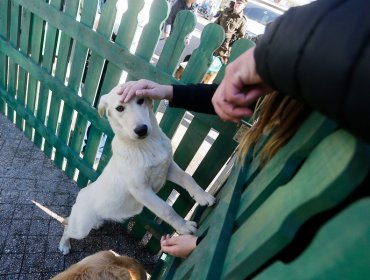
(196, 98)
(320, 53)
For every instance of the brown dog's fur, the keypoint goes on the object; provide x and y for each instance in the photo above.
(104, 265)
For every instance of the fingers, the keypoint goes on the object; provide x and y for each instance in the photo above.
(146, 92)
(229, 111)
(245, 99)
(168, 240)
(129, 89)
(172, 250)
(178, 246)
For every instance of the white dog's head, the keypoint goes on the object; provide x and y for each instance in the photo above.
(131, 120)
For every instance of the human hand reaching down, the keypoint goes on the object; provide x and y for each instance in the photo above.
(240, 89)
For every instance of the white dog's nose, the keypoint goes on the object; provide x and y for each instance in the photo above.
(141, 130)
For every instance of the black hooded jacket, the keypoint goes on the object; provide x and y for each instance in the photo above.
(320, 53)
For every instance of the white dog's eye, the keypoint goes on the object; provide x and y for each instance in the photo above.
(140, 101)
(120, 108)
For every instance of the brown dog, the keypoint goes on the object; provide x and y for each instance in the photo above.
(104, 265)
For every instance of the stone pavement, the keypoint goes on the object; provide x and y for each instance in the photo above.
(29, 236)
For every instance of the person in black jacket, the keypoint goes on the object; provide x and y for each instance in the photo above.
(318, 53)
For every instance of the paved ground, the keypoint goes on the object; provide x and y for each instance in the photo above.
(29, 236)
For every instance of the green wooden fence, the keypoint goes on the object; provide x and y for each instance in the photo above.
(48, 92)
(303, 215)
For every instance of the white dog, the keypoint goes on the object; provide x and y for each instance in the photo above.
(140, 165)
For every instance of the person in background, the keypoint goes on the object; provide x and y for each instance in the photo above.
(179, 5)
(234, 24)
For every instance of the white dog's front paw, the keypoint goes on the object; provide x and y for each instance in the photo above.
(65, 247)
(205, 199)
(189, 227)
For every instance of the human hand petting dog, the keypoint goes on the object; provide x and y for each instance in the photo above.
(144, 88)
(239, 89)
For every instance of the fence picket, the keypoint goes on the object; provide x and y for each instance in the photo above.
(47, 63)
(65, 45)
(77, 67)
(23, 76)
(185, 22)
(15, 19)
(4, 30)
(212, 37)
(37, 40)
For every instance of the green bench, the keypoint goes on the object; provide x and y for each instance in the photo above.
(304, 215)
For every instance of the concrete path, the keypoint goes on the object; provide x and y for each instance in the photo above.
(34, 194)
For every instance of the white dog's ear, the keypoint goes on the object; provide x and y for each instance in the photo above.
(103, 103)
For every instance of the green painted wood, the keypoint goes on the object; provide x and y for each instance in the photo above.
(37, 39)
(23, 76)
(89, 90)
(190, 143)
(64, 51)
(77, 62)
(238, 48)
(47, 63)
(46, 133)
(215, 159)
(339, 251)
(204, 262)
(15, 18)
(4, 27)
(227, 129)
(124, 37)
(171, 120)
(212, 37)
(339, 162)
(152, 31)
(117, 55)
(58, 87)
(185, 22)
(283, 165)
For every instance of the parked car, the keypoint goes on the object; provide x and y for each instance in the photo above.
(259, 14)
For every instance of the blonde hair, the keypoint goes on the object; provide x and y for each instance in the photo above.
(278, 114)
(104, 265)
